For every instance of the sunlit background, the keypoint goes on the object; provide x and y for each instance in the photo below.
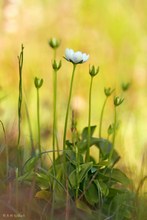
(113, 33)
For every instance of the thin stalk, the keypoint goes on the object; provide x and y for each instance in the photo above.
(77, 171)
(68, 106)
(6, 147)
(55, 138)
(16, 201)
(54, 53)
(30, 129)
(20, 60)
(89, 122)
(64, 142)
(19, 154)
(38, 121)
(101, 117)
(75, 146)
(114, 135)
(54, 114)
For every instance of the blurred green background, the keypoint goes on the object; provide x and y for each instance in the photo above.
(112, 32)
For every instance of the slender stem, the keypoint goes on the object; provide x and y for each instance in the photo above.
(30, 129)
(75, 146)
(77, 171)
(114, 135)
(19, 153)
(38, 121)
(54, 113)
(89, 122)
(54, 53)
(101, 117)
(20, 60)
(55, 138)
(6, 147)
(68, 106)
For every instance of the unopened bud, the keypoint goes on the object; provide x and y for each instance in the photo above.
(56, 66)
(118, 100)
(108, 91)
(125, 86)
(38, 82)
(93, 71)
(54, 43)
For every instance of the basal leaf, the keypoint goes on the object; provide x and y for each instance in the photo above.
(30, 163)
(85, 132)
(42, 180)
(43, 194)
(118, 176)
(103, 188)
(83, 170)
(91, 192)
(83, 206)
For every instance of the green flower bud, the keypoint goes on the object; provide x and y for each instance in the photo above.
(108, 91)
(93, 71)
(118, 101)
(38, 82)
(54, 43)
(125, 86)
(56, 66)
(110, 129)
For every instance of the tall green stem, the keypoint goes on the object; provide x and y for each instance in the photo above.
(38, 121)
(114, 135)
(6, 148)
(89, 122)
(75, 146)
(68, 106)
(54, 113)
(20, 61)
(101, 117)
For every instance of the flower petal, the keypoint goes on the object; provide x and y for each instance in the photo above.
(68, 54)
(85, 57)
(77, 57)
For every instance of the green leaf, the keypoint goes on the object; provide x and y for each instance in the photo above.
(85, 131)
(103, 188)
(43, 194)
(104, 145)
(91, 192)
(82, 144)
(43, 180)
(82, 205)
(30, 163)
(118, 176)
(27, 176)
(71, 156)
(83, 170)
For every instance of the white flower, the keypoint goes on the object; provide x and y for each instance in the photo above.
(75, 57)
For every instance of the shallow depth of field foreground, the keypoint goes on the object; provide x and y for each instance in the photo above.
(73, 78)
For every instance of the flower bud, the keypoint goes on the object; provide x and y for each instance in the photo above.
(108, 91)
(125, 86)
(56, 66)
(54, 43)
(110, 129)
(92, 71)
(38, 82)
(118, 100)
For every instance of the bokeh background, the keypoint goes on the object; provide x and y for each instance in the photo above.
(112, 32)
